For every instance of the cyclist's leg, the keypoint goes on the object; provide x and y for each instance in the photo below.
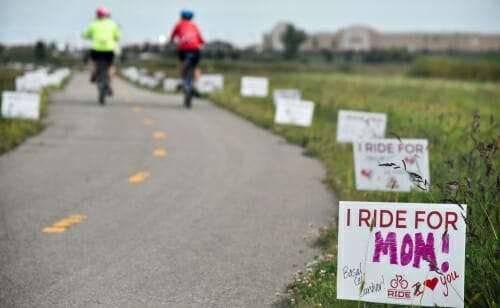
(92, 65)
(197, 71)
(110, 71)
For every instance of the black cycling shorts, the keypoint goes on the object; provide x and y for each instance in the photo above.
(106, 56)
(195, 54)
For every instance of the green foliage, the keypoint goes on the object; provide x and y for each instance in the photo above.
(434, 109)
(40, 52)
(389, 55)
(292, 38)
(456, 68)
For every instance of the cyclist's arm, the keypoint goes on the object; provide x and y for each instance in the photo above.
(200, 38)
(174, 34)
(88, 33)
(117, 33)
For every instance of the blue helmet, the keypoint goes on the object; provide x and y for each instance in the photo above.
(187, 14)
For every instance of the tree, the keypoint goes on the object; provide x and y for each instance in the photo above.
(40, 52)
(292, 38)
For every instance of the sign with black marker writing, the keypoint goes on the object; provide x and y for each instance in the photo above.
(391, 164)
(355, 125)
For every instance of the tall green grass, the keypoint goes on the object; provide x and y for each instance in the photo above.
(458, 120)
(456, 68)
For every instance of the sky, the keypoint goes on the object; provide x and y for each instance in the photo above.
(240, 22)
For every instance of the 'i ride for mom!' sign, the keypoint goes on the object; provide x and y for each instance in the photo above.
(391, 164)
(401, 253)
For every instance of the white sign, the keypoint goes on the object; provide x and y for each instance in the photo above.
(171, 84)
(210, 82)
(401, 253)
(20, 105)
(391, 164)
(286, 93)
(254, 86)
(355, 125)
(295, 112)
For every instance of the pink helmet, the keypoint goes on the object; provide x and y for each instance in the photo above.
(102, 12)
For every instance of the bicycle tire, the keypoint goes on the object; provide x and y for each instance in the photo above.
(188, 96)
(102, 96)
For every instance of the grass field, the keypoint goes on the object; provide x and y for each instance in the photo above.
(457, 118)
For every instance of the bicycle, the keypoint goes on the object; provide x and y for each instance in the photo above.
(188, 79)
(102, 80)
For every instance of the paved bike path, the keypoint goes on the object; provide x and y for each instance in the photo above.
(218, 221)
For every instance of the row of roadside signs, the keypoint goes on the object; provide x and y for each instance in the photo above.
(207, 83)
(24, 103)
(405, 162)
(403, 251)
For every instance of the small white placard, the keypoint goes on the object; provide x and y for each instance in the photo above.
(171, 84)
(20, 105)
(286, 93)
(254, 86)
(210, 82)
(410, 254)
(355, 125)
(406, 160)
(294, 112)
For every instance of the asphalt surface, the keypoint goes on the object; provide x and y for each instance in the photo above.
(218, 221)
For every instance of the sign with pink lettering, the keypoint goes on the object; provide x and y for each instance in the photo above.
(391, 164)
(355, 125)
(401, 253)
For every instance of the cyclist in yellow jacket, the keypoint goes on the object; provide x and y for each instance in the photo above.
(105, 35)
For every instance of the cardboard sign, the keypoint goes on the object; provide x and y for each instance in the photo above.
(20, 105)
(210, 82)
(355, 125)
(171, 84)
(286, 93)
(254, 86)
(404, 162)
(401, 253)
(132, 73)
(294, 112)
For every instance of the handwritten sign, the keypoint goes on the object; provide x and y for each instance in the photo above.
(254, 86)
(210, 83)
(405, 164)
(401, 253)
(171, 84)
(286, 93)
(294, 112)
(355, 125)
(20, 105)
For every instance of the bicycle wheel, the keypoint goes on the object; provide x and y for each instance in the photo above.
(102, 94)
(102, 81)
(188, 88)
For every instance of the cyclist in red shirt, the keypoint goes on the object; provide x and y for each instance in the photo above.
(189, 40)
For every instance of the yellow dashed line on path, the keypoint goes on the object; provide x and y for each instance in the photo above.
(148, 122)
(159, 135)
(139, 177)
(53, 230)
(61, 225)
(159, 152)
(137, 109)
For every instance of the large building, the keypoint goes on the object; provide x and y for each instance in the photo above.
(362, 38)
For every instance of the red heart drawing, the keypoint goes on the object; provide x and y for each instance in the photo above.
(431, 283)
(366, 173)
(410, 160)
